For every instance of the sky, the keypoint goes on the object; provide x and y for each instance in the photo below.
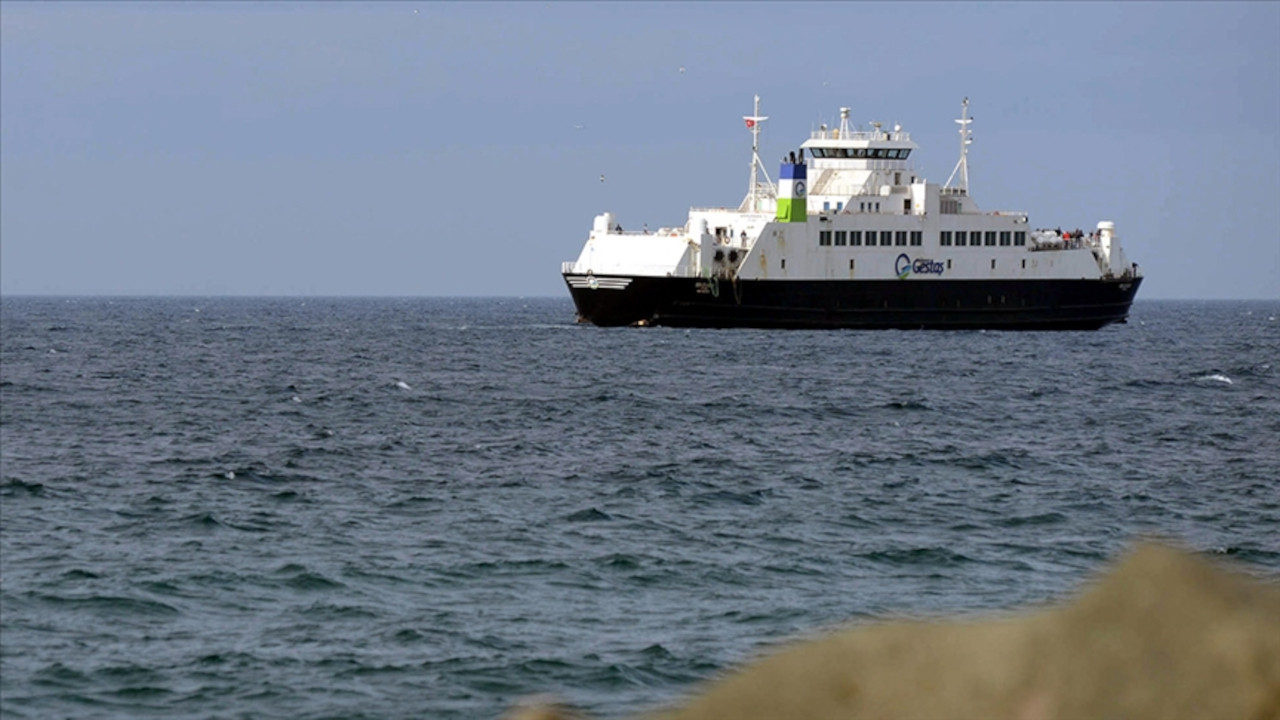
(456, 149)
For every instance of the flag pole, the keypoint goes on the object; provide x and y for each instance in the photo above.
(753, 124)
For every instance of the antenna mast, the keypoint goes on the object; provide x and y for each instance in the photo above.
(966, 137)
(752, 201)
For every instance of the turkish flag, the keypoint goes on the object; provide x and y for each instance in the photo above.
(750, 123)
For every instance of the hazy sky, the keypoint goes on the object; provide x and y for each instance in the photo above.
(456, 149)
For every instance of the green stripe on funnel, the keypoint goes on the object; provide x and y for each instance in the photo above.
(791, 210)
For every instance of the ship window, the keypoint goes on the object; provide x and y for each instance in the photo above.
(824, 237)
(839, 206)
(1020, 238)
(944, 238)
(1004, 237)
(886, 238)
(850, 263)
(991, 237)
(900, 237)
(877, 207)
(842, 237)
(961, 238)
(903, 154)
(993, 263)
(855, 237)
(826, 205)
(784, 263)
(881, 153)
(817, 152)
(917, 238)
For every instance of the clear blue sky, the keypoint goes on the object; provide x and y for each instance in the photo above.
(432, 149)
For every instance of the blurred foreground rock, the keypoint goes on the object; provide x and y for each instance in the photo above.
(1164, 635)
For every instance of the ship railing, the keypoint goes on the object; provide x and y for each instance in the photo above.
(1051, 243)
(1015, 214)
(573, 268)
(835, 134)
(660, 232)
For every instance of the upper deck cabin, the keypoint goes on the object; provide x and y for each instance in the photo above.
(845, 163)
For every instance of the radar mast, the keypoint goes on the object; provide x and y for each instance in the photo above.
(966, 137)
(755, 191)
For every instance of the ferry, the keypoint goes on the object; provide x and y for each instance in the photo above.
(851, 236)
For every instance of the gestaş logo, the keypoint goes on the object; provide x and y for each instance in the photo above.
(904, 266)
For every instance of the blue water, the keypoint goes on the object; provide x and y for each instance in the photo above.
(413, 508)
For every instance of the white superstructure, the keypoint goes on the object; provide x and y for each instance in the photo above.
(854, 209)
(871, 207)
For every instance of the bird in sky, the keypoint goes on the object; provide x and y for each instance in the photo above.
(601, 177)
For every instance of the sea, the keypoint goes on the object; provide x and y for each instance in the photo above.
(306, 508)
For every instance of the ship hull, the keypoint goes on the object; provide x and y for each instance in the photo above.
(853, 304)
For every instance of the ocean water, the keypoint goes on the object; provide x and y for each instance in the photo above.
(428, 508)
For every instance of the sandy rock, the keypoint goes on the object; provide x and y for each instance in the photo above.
(1165, 635)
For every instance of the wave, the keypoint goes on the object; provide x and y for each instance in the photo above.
(906, 405)
(1215, 378)
(919, 556)
(113, 605)
(15, 487)
(589, 515)
(1047, 518)
(727, 497)
(299, 577)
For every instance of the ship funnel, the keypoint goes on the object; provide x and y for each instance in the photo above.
(792, 191)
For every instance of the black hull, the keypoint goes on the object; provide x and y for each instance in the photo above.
(855, 304)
